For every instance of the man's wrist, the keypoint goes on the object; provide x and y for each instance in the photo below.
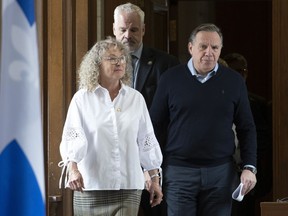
(250, 168)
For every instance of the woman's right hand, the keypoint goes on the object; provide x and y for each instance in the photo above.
(75, 179)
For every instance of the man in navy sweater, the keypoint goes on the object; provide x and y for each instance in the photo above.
(202, 100)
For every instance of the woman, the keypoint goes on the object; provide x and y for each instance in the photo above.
(108, 138)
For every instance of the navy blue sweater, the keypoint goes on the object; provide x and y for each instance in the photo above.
(199, 118)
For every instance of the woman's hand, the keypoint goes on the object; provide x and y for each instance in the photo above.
(156, 194)
(75, 179)
(154, 188)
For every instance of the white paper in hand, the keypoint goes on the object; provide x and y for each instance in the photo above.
(237, 194)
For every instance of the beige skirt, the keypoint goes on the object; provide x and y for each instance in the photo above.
(107, 203)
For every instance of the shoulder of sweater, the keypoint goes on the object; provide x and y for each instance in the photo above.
(221, 69)
(182, 67)
(170, 73)
(229, 72)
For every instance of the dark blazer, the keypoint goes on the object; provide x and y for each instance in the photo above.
(152, 64)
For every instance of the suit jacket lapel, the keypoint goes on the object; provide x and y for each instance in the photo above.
(146, 63)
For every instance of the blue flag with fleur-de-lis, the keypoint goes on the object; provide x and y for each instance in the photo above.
(22, 182)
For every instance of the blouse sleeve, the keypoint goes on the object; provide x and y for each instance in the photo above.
(149, 148)
(73, 146)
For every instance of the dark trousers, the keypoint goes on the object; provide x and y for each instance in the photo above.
(246, 207)
(147, 210)
(199, 191)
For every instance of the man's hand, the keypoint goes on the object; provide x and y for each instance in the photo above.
(249, 181)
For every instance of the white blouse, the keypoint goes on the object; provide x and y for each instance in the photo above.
(111, 141)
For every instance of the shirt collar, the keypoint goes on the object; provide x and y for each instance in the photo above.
(193, 70)
(123, 89)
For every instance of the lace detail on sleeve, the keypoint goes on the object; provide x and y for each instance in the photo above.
(74, 134)
(73, 145)
(148, 142)
(72, 148)
(150, 152)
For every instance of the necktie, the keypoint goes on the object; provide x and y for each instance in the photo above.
(134, 60)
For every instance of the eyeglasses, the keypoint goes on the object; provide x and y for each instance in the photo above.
(115, 60)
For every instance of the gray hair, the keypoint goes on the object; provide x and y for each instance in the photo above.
(89, 69)
(208, 27)
(128, 8)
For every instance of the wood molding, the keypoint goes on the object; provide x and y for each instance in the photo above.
(65, 41)
(280, 98)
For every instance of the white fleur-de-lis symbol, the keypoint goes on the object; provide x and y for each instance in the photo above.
(26, 66)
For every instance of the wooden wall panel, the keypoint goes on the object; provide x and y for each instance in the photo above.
(54, 98)
(65, 41)
(55, 93)
(280, 98)
(82, 29)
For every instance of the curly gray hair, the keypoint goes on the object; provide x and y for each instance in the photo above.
(89, 69)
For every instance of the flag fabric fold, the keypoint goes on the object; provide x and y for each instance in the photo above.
(22, 181)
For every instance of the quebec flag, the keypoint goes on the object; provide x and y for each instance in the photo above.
(22, 182)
